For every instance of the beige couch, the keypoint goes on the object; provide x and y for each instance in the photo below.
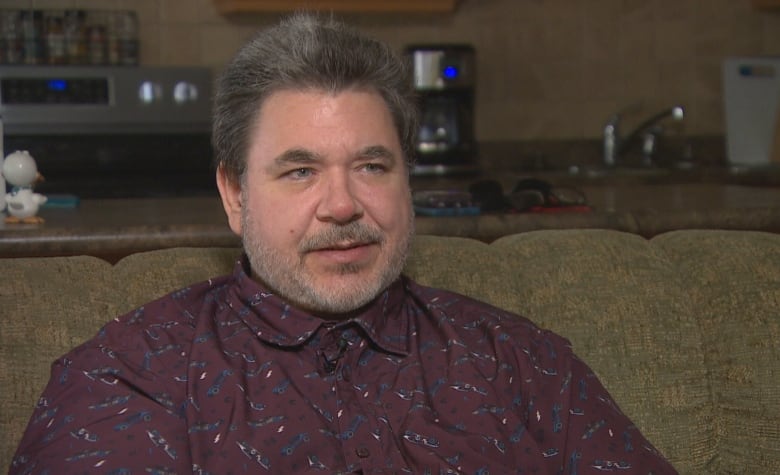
(684, 329)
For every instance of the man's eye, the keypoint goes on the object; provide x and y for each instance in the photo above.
(300, 173)
(372, 167)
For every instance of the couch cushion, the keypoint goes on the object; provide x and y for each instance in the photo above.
(48, 306)
(463, 265)
(147, 275)
(622, 301)
(732, 279)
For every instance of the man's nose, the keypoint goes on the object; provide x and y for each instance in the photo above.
(339, 203)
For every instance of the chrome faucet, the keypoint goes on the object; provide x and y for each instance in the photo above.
(615, 146)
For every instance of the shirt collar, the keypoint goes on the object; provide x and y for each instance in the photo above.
(385, 320)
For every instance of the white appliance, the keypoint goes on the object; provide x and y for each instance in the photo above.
(751, 94)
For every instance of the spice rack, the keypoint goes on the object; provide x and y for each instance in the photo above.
(68, 37)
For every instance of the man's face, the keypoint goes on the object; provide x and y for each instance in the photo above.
(324, 210)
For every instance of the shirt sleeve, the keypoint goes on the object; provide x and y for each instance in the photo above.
(580, 419)
(106, 412)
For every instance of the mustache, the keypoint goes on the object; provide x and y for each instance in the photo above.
(351, 234)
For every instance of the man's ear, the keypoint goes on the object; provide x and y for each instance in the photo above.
(230, 192)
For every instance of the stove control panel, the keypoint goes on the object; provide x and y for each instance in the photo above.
(54, 90)
(50, 99)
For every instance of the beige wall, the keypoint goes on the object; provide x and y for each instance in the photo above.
(548, 69)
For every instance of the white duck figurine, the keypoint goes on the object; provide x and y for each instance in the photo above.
(20, 170)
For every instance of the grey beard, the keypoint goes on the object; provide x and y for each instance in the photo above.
(289, 278)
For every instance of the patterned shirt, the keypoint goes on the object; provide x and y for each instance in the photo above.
(224, 377)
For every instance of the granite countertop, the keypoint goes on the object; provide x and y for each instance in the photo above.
(116, 227)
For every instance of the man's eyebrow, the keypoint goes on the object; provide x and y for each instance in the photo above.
(295, 156)
(302, 156)
(378, 152)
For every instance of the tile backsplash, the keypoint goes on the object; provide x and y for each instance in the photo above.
(547, 69)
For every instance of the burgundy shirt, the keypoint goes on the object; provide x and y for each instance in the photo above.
(224, 377)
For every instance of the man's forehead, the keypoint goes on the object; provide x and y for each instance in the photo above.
(284, 113)
(282, 97)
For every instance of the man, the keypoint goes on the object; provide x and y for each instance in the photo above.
(315, 355)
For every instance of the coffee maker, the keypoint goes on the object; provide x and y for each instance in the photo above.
(444, 78)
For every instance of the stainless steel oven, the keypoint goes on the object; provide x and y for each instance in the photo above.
(101, 132)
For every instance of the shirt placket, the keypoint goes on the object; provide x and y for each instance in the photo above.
(355, 426)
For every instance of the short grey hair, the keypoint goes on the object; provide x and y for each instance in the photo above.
(306, 52)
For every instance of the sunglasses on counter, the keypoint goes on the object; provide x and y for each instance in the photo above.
(528, 195)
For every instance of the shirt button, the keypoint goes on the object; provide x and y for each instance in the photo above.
(362, 452)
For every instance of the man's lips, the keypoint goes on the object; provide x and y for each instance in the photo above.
(344, 246)
(345, 252)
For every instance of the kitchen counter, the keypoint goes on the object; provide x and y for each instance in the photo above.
(116, 227)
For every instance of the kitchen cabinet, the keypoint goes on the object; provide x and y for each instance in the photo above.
(409, 6)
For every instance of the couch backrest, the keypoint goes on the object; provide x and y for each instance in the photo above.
(683, 329)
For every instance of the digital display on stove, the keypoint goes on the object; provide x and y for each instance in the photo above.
(53, 91)
(58, 85)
